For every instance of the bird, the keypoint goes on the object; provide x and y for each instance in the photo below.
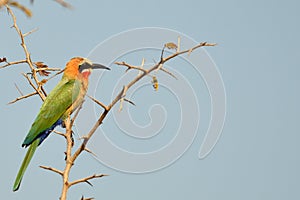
(68, 94)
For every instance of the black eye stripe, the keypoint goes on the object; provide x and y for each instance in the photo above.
(84, 66)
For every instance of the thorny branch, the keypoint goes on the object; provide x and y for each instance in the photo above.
(52, 169)
(129, 67)
(28, 60)
(35, 84)
(26, 10)
(22, 97)
(13, 63)
(120, 97)
(86, 179)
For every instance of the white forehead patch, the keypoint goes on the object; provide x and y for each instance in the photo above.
(88, 61)
(86, 70)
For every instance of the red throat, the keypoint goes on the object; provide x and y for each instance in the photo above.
(86, 74)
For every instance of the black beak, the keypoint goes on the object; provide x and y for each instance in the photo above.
(99, 66)
(87, 65)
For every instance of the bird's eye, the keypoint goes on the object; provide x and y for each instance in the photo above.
(84, 66)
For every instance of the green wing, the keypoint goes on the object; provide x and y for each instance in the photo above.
(54, 106)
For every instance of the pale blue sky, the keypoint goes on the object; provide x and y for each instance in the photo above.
(257, 156)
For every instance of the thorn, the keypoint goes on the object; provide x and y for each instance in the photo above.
(89, 151)
(178, 43)
(129, 102)
(97, 102)
(142, 65)
(72, 138)
(166, 71)
(89, 183)
(82, 198)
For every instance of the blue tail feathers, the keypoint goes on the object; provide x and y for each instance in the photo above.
(44, 134)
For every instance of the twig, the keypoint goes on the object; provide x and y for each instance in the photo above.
(90, 198)
(3, 2)
(86, 179)
(64, 4)
(76, 113)
(35, 88)
(59, 72)
(122, 97)
(20, 92)
(89, 151)
(97, 102)
(13, 63)
(59, 133)
(69, 161)
(47, 69)
(52, 169)
(170, 73)
(178, 44)
(19, 6)
(131, 102)
(28, 60)
(22, 97)
(129, 67)
(29, 32)
(142, 66)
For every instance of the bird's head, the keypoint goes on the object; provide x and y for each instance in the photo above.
(81, 67)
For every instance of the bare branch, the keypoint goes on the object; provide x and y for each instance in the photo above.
(47, 69)
(21, 7)
(59, 133)
(64, 4)
(23, 97)
(20, 92)
(178, 44)
(189, 51)
(33, 86)
(97, 102)
(69, 160)
(131, 102)
(142, 66)
(76, 113)
(59, 72)
(52, 169)
(89, 151)
(13, 63)
(90, 198)
(170, 73)
(129, 67)
(3, 2)
(122, 98)
(38, 89)
(28, 33)
(86, 179)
